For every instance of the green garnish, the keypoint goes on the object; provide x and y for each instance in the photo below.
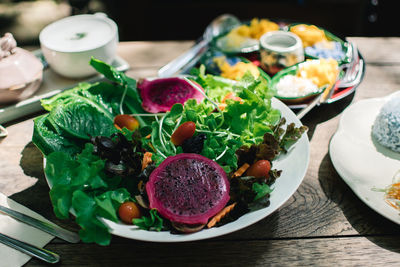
(152, 222)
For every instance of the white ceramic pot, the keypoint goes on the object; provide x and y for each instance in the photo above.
(20, 71)
(68, 44)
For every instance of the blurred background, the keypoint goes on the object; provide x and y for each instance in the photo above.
(187, 19)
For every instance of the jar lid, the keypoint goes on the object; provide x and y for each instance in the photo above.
(280, 42)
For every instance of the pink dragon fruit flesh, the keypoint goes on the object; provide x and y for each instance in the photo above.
(188, 189)
(159, 95)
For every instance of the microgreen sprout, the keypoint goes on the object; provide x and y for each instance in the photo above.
(222, 154)
(208, 98)
(121, 111)
(218, 132)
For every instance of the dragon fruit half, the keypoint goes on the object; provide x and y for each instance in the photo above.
(159, 95)
(188, 189)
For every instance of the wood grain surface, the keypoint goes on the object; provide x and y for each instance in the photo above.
(324, 223)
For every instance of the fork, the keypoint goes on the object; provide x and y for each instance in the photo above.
(353, 69)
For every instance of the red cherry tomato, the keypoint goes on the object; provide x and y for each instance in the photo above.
(259, 169)
(129, 211)
(184, 131)
(127, 121)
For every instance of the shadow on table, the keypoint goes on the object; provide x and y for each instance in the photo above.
(267, 228)
(324, 113)
(245, 247)
(362, 218)
(37, 196)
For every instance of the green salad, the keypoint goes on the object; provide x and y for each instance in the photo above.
(95, 167)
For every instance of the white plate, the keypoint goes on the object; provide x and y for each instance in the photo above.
(361, 162)
(294, 165)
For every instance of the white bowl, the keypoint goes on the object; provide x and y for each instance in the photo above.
(69, 43)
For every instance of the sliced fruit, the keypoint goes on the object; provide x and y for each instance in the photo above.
(188, 188)
(159, 95)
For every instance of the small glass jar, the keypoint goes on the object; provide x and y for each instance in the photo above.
(279, 50)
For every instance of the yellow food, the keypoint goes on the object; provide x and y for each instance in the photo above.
(309, 34)
(321, 72)
(255, 30)
(393, 196)
(146, 159)
(220, 215)
(241, 170)
(236, 71)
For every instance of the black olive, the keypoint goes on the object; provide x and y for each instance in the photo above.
(118, 169)
(105, 143)
(124, 157)
(194, 144)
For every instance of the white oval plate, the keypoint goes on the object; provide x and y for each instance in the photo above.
(294, 165)
(362, 163)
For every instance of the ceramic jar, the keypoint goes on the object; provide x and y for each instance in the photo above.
(279, 50)
(20, 71)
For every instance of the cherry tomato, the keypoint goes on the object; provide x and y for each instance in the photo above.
(129, 211)
(127, 121)
(259, 169)
(184, 131)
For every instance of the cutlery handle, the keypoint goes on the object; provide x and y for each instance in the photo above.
(30, 250)
(309, 107)
(175, 65)
(44, 226)
(358, 72)
(3, 131)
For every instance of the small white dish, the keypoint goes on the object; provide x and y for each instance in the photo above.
(362, 163)
(69, 43)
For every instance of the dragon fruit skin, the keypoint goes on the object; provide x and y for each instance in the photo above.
(159, 95)
(188, 188)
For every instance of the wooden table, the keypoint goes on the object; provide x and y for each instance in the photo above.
(324, 223)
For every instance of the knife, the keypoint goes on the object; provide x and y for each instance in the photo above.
(321, 98)
(31, 250)
(50, 228)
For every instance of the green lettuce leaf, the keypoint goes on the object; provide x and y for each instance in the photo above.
(49, 140)
(82, 120)
(79, 184)
(92, 229)
(151, 222)
(261, 190)
(109, 202)
(127, 84)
